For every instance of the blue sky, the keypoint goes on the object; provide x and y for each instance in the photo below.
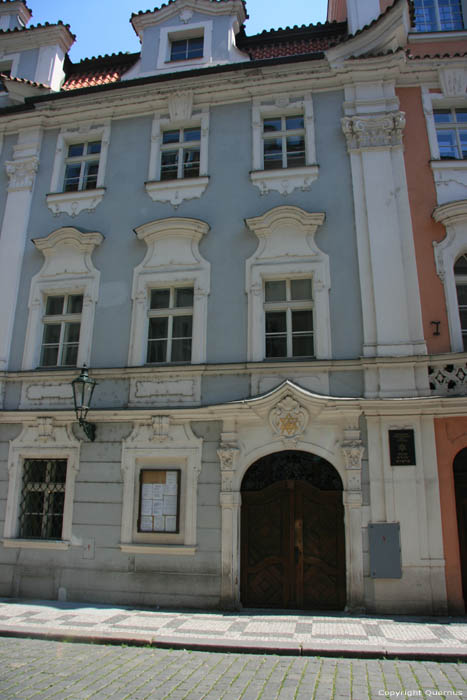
(102, 26)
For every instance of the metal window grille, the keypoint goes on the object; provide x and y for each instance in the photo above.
(42, 499)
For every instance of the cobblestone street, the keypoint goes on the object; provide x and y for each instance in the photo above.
(46, 669)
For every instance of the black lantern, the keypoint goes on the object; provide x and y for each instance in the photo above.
(83, 388)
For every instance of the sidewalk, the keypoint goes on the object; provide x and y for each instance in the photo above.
(255, 631)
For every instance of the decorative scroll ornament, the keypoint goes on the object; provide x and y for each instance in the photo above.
(185, 16)
(160, 428)
(353, 453)
(228, 460)
(289, 419)
(22, 173)
(453, 81)
(374, 131)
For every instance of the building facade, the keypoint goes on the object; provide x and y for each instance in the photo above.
(256, 244)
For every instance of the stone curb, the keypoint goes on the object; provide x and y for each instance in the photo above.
(231, 646)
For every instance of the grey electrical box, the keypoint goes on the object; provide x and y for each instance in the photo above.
(385, 550)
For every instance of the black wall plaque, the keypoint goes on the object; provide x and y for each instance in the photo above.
(401, 447)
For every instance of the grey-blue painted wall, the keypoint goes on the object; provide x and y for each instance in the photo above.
(28, 64)
(229, 199)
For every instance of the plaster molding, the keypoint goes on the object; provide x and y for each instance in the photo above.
(285, 180)
(176, 191)
(42, 438)
(144, 20)
(67, 268)
(22, 173)
(172, 257)
(181, 106)
(289, 420)
(286, 246)
(181, 449)
(373, 131)
(453, 81)
(73, 203)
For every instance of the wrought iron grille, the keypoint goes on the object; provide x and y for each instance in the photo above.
(42, 498)
(292, 464)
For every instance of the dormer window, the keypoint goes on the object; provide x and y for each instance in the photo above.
(184, 49)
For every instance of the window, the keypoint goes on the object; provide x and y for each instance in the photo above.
(180, 153)
(42, 499)
(62, 323)
(284, 142)
(82, 166)
(78, 173)
(451, 132)
(62, 301)
(183, 49)
(159, 500)
(170, 325)
(284, 150)
(438, 15)
(460, 274)
(288, 315)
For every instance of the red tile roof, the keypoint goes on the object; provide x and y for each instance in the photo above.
(101, 70)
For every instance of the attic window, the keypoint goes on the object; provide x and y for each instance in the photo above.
(184, 49)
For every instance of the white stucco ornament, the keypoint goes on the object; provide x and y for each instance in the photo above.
(289, 419)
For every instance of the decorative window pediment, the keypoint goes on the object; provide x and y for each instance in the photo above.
(288, 256)
(67, 272)
(172, 263)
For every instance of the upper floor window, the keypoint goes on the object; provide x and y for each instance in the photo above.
(170, 325)
(451, 132)
(438, 15)
(284, 142)
(62, 323)
(42, 499)
(180, 153)
(82, 166)
(183, 49)
(288, 311)
(460, 275)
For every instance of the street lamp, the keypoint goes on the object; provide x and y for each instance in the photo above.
(83, 388)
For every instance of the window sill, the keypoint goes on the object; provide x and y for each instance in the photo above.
(284, 180)
(449, 164)
(73, 203)
(175, 191)
(174, 549)
(36, 544)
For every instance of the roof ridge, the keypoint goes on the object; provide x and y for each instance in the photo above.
(45, 25)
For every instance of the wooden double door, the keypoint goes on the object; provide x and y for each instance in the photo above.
(293, 549)
(460, 483)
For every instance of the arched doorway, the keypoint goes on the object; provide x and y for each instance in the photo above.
(292, 534)
(460, 485)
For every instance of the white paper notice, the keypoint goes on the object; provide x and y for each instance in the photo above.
(157, 507)
(159, 523)
(146, 524)
(170, 505)
(157, 490)
(146, 491)
(146, 507)
(171, 478)
(170, 523)
(171, 489)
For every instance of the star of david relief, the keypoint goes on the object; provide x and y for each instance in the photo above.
(289, 419)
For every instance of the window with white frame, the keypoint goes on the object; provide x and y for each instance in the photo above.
(438, 15)
(62, 301)
(180, 153)
(451, 132)
(288, 317)
(184, 49)
(284, 142)
(284, 151)
(78, 173)
(82, 166)
(62, 324)
(42, 499)
(460, 275)
(43, 462)
(170, 327)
